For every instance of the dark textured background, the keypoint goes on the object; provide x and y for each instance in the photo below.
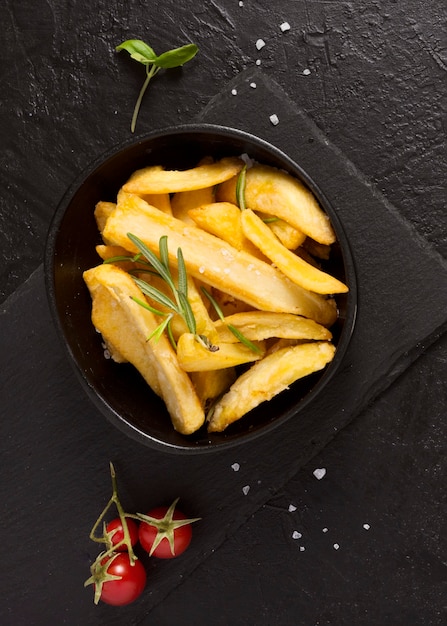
(375, 94)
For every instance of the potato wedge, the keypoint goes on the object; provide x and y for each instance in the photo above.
(293, 266)
(260, 325)
(223, 219)
(103, 210)
(193, 357)
(126, 325)
(184, 201)
(273, 191)
(212, 384)
(267, 378)
(161, 201)
(215, 262)
(156, 180)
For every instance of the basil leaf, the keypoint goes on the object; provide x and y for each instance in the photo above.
(138, 50)
(176, 57)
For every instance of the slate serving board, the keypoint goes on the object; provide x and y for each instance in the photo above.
(55, 447)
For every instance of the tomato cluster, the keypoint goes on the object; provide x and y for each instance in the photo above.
(117, 575)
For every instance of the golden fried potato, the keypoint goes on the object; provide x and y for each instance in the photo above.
(126, 325)
(223, 219)
(212, 384)
(103, 210)
(194, 357)
(259, 325)
(184, 201)
(268, 377)
(156, 180)
(273, 191)
(292, 265)
(216, 262)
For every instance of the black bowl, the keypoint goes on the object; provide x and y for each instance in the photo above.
(118, 390)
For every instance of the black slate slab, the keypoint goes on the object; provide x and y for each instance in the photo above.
(56, 448)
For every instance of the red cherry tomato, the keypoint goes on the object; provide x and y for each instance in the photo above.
(115, 532)
(124, 590)
(165, 532)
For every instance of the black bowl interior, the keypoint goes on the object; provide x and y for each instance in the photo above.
(117, 389)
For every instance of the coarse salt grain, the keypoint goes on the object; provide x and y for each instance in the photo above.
(292, 508)
(306, 72)
(201, 269)
(241, 4)
(234, 92)
(260, 44)
(245, 489)
(319, 473)
(253, 85)
(366, 526)
(236, 467)
(296, 535)
(285, 26)
(274, 119)
(336, 546)
(325, 530)
(258, 61)
(302, 548)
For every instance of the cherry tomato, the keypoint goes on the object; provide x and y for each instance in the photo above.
(122, 591)
(165, 532)
(115, 532)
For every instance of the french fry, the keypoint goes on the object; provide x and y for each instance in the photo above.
(215, 262)
(156, 180)
(103, 210)
(161, 201)
(268, 377)
(292, 265)
(184, 201)
(288, 235)
(273, 191)
(126, 325)
(193, 357)
(223, 219)
(259, 325)
(210, 385)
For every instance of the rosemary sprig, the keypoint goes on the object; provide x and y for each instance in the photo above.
(179, 304)
(237, 333)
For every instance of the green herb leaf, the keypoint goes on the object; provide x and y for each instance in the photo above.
(147, 306)
(187, 313)
(240, 188)
(138, 50)
(243, 339)
(157, 333)
(155, 294)
(176, 56)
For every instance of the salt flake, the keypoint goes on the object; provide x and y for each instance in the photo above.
(285, 26)
(296, 535)
(236, 467)
(260, 44)
(292, 508)
(274, 119)
(319, 473)
(245, 489)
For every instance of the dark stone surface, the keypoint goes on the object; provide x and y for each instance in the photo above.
(372, 105)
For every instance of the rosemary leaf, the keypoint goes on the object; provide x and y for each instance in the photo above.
(243, 339)
(147, 306)
(187, 313)
(156, 294)
(240, 188)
